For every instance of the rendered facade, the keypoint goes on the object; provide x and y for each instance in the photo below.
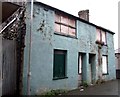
(65, 51)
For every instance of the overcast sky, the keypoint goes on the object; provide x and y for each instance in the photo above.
(102, 12)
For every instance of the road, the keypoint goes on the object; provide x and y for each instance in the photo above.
(107, 88)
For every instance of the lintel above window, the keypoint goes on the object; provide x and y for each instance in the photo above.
(65, 25)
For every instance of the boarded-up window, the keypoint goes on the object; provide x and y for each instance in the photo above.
(71, 22)
(98, 35)
(64, 20)
(101, 36)
(57, 18)
(57, 27)
(64, 29)
(104, 65)
(65, 25)
(71, 31)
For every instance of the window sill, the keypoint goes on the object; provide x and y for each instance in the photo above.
(61, 34)
(105, 45)
(105, 74)
(79, 73)
(58, 78)
(100, 43)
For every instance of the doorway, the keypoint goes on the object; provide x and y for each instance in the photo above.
(92, 68)
(81, 68)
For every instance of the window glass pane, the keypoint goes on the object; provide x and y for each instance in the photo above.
(64, 29)
(72, 22)
(80, 64)
(64, 20)
(57, 18)
(104, 37)
(57, 27)
(104, 64)
(71, 31)
(98, 35)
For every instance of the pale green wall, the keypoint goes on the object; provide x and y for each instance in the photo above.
(44, 41)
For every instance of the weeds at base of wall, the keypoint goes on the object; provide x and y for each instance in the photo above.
(100, 81)
(54, 93)
(85, 84)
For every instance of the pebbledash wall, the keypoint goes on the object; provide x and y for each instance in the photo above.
(44, 41)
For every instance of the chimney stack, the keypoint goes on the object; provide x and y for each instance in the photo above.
(84, 14)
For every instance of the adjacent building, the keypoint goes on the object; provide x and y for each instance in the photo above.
(117, 57)
(65, 50)
(12, 32)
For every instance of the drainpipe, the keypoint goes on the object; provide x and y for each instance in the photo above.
(29, 56)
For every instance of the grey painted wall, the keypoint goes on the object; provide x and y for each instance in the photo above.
(44, 41)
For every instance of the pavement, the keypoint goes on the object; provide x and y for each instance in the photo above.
(107, 88)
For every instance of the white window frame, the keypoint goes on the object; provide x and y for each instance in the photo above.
(105, 64)
(80, 64)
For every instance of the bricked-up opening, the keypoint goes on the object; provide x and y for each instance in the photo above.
(84, 14)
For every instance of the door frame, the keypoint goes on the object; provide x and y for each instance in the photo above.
(83, 61)
(92, 67)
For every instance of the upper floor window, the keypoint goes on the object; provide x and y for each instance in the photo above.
(101, 37)
(65, 25)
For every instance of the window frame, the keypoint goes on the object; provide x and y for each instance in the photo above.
(66, 25)
(64, 52)
(106, 64)
(79, 67)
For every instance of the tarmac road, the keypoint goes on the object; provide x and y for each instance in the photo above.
(107, 88)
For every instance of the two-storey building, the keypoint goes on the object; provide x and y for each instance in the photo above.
(65, 50)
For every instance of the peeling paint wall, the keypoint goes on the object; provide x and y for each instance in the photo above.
(44, 41)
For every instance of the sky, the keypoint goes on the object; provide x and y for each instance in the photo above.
(103, 13)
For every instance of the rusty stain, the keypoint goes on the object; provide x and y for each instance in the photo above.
(99, 57)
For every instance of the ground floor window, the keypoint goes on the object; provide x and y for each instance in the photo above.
(104, 64)
(59, 66)
(80, 64)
